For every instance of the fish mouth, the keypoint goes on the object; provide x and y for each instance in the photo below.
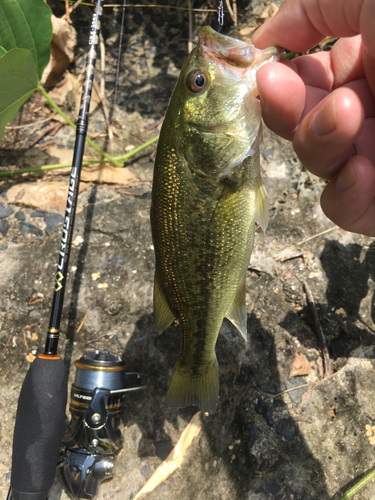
(236, 53)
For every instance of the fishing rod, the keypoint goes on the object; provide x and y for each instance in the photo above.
(41, 405)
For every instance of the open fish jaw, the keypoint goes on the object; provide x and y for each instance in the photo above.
(236, 59)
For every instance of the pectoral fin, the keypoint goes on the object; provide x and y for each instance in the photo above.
(237, 314)
(261, 215)
(163, 314)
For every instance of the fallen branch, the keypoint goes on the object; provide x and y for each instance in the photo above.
(326, 358)
(317, 235)
(82, 322)
(288, 390)
(41, 135)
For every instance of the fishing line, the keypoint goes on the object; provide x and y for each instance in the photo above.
(119, 51)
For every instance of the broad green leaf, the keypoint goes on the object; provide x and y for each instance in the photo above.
(27, 24)
(18, 80)
(2, 51)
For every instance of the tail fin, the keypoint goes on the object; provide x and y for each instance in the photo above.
(195, 386)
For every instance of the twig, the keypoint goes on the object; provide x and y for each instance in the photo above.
(154, 125)
(288, 390)
(67, 12)
(156, 6)
(102, 64)
(27, 327)
(97, 339)
(32, 124)
(73, 7)
(190, 41)
(231, 12)
(105, 110)
(285, 259)
(25, 341)
(326, 358)
(56, 129)
(6, 345)
(2, 321)
(317, 235)
(82, 322)
(235, 20)
(41, 135)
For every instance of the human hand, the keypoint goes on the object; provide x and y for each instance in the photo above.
(325, 102)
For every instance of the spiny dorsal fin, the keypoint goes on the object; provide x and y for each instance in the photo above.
(163, 314)
(237, 313)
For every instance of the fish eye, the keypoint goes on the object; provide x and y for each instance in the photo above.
(197, 81)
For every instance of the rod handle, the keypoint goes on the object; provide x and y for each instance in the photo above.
(38, 429)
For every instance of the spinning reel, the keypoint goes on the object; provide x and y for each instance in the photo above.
(93, 439)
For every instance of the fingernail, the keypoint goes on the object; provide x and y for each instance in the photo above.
(324, 121)
(346, 178)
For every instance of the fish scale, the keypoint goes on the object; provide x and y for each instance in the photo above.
(206, 192)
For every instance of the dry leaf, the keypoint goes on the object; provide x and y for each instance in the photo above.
(320, 367)
(268, 12)
(70, 83)
(342, 312)
(332, 411)
(106, 173)
(78, 240)
(30, 357)
(42, 195)
(300, 366)
(59, 155)
(73, 84)
(175, 458)
(306, 395)
(64, 39)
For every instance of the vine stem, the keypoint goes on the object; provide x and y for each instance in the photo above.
(122, 159)
(358, 486)
(61, 113)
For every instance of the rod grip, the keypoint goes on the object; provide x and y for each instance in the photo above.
(38, 429)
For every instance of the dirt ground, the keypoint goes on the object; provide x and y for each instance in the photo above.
(310, 443)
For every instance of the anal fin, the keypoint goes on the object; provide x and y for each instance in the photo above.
(261, 215)
(237, 313)
(163, 314)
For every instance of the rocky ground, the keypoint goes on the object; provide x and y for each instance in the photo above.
(309, 443)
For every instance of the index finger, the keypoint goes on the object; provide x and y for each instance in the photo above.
(301, 24)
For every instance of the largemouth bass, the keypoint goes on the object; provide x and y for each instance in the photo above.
(207, 195)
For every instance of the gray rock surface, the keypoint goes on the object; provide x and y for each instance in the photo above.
(318, 442)
(309, 443)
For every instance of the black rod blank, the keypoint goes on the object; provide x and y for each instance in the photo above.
(41, 405)
(70, 210)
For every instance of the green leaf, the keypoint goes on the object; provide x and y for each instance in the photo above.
(18, 80)
(27, 24)
(2, 51)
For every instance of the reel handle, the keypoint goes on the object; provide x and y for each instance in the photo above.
(38, 429)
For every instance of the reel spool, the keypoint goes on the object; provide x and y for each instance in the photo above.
(93, 439)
